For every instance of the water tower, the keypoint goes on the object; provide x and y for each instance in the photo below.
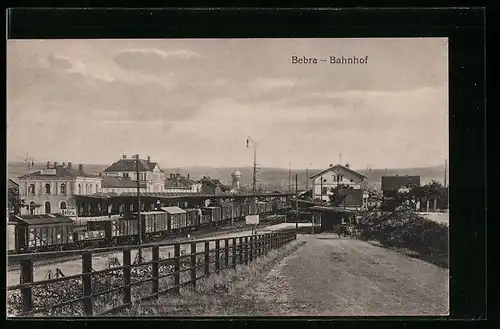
(236, 180)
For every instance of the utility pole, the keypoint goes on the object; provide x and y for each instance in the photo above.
(307, 180)
(296, 201)
(289, 177)
(139, 219)
(30, 162)
(254, 181)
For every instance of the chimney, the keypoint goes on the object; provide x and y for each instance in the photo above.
(69, 164)
(149, 158)
(100, 174)
(124, 156)
(331, 165)
(64, 164)
(48, 164)
(56, 164)
(80, 167)
(188, 176)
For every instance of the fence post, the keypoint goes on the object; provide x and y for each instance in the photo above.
(27, 277)
(87, 283)
(240, 251)
(217, 256)
(155, 270)
(233, 250)
(193, 264)
(177, 267)
(226, 254)
(251, 247)
(207, 258)
(127, 295)
(246, 250)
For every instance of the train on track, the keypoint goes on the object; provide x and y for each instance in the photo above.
(57, 232)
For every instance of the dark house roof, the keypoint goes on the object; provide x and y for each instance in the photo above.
(129, 165)
(355, 173)
(115, 182)
(61, 172)
(174, 182)
(393, 183)
(353, 198)
(13, 184)
(213, 183)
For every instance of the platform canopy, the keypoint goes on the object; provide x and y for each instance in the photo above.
(332, 209)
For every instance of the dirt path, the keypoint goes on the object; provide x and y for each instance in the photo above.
(337, 277)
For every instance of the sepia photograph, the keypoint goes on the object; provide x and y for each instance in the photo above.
(227, 177)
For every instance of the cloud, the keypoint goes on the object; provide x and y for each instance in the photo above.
(59, 62)
(152, 60)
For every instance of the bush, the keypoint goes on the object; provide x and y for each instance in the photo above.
(405, 229)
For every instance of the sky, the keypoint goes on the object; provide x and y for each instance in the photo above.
(194, 102)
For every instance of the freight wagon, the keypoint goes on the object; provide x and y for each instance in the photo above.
(177, 219)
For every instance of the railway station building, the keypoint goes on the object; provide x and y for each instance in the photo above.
(53, 189)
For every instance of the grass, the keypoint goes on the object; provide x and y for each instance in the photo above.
(217, 295)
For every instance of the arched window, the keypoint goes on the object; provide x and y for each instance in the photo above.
(32, 208)
(63, 189)
(47, 207)
(31, 189)
(47, 188)
(87, 189)
(80, 189)
(63, 205)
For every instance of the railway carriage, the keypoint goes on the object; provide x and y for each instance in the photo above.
(193, 217)
(177, 218)
(213, 214)
(42, 232)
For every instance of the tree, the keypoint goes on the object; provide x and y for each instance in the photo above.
(15, 202)
(432, 192)
(339, 194)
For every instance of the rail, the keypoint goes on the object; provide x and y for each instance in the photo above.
(110, 290)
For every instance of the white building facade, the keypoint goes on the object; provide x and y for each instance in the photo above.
(52, 189)
(328, 179)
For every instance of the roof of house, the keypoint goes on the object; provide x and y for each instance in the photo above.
(353, 198)
(115, 182)
(173, 210)
(61, 172)
(174, 182)
(129, 165)
(13, 183)
(214, 182)
(353, 172)
(393, 183)
(43, 219)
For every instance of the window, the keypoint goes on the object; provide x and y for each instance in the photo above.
(87, 189)
(32, 208)
(47, 207)
(324, 190)
(79, 188)
(125, 175)
(47, 188)
(63, 205)
(31, 189)
(63, 189)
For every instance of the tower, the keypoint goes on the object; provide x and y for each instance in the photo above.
(236, 175)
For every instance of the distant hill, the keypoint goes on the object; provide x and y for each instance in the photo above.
(268, 178)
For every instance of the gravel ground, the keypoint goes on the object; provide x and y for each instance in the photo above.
(329, 276)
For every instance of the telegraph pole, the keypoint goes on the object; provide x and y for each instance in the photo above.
(29, 162)
(296, 201)
(307, 180)
(289, 177)
(139, 219)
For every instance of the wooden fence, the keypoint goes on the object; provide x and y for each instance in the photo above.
(88, 287)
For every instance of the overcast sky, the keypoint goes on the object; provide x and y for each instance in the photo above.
(194, 102)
